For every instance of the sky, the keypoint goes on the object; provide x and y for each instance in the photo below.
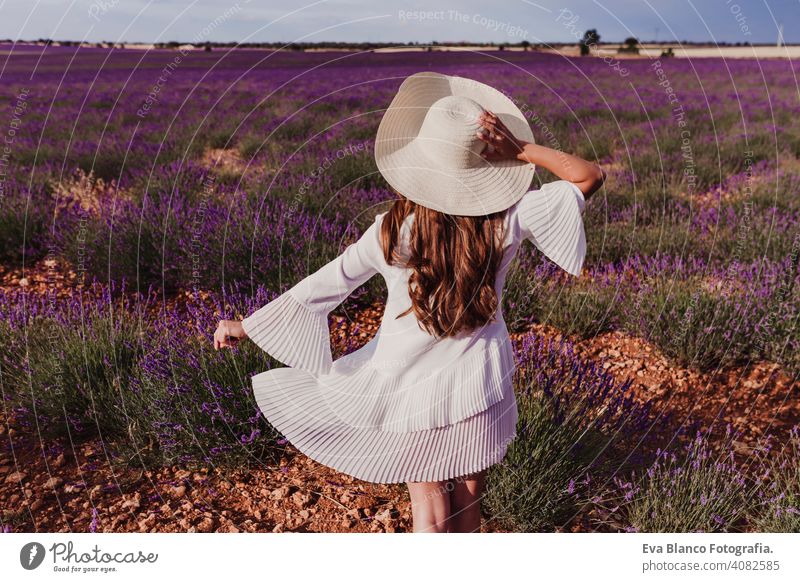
(378, 21)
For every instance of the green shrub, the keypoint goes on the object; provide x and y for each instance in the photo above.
(570, 413)
(778, 497)
(75, 376)
(695, 492)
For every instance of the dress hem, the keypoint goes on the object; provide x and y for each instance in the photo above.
(289, 400)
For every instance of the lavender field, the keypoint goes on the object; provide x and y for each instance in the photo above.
(147, 194)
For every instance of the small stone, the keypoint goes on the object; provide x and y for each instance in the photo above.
(178, 492)
(15, 477)
(130, 503)
(59, 460)
(147, 523)
(279, 528)
(53, 482)
(384, 516)
(302, 499)
(280, 493)
(206, 525)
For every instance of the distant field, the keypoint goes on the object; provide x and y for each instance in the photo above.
(646, 50)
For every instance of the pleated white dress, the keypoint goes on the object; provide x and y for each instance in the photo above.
(406, 406)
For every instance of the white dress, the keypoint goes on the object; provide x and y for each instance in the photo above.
(406, 406)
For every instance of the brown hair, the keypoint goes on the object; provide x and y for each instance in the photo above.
(454, 260)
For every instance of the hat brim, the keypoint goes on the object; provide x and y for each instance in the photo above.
(490, 186)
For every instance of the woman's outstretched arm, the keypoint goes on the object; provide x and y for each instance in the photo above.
(584, 174)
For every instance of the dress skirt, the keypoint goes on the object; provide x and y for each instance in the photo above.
(290, 399)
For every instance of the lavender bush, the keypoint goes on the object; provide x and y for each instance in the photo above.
(776, 505)
(143, 378)
(574, 420)
(26, 216)
(700, 488)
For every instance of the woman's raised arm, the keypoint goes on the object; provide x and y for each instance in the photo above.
(585, 175)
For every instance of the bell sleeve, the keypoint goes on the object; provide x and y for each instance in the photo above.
(293, 328)
(552, 219)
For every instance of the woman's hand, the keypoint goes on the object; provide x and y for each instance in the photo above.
(502, 144)
(228, 334)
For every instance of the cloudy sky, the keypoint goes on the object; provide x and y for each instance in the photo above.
(404, 20)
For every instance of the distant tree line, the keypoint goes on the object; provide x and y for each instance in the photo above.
(590, 38)
(301, 46)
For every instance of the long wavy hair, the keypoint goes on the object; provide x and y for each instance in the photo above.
(454, 259)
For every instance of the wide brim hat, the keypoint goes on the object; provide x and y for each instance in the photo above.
(428, 150)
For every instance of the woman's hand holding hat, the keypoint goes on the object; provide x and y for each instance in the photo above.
(503, 145)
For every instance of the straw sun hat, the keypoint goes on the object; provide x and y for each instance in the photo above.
(427, 148)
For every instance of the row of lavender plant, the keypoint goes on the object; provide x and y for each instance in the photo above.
(584, 450)
(701, 315)
(576, 423)
(700, 487)
(139, 375)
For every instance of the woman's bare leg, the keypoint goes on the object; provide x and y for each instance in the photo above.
(430, 505)
(465, 502)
